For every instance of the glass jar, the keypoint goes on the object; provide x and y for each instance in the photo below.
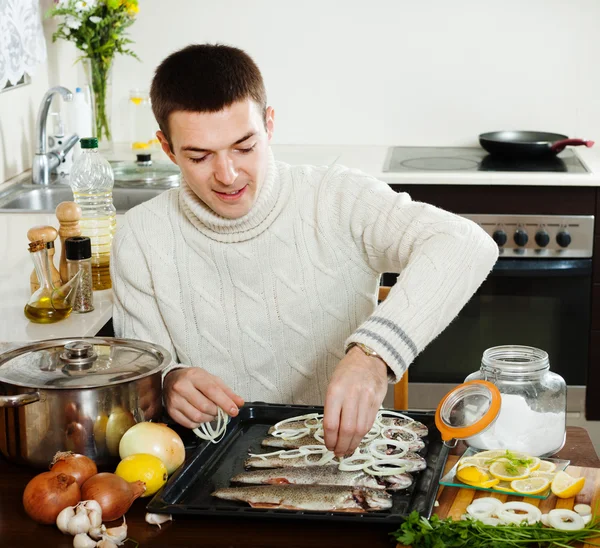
(532, 416)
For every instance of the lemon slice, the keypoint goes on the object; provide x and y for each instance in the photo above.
(530, 486)
(535, 464)
(504, 486)
(498, 470)
(473, 461)
(546, 475)
(493, 454)
(565, 486)
(487, 484)
(546, 466)
(472, 475)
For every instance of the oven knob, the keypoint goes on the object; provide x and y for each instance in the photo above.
(563, 238)
(521, 237)
(500, 237)
(542, 238)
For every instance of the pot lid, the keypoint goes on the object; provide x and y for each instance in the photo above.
(468, 410)
(81, 363)
(145, 171)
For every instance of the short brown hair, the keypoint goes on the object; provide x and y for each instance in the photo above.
(204, 78)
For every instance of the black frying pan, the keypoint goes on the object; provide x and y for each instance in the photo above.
(527, 144)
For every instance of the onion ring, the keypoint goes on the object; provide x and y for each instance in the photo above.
(557, 517)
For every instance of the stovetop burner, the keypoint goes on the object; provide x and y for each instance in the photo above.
(469, 159)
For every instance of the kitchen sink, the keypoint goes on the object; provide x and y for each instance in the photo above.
(24, 197)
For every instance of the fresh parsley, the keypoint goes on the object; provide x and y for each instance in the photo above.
(419, 532)
(512, 463)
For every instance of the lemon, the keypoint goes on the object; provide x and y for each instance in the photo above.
(530, 486)
(471, 474)
(565, 486)
(498, 470)
(481, 463)
(504, 486)
(486, 484)
(146, 468)
(534, 464)
(547, 466)
(546, 475)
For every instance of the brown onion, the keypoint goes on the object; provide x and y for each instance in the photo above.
(47, 494)
(113, 493)
(79, 466)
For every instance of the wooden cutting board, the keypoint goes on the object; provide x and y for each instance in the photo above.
(453, 501)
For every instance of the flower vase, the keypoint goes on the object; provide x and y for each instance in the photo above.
(98, 72)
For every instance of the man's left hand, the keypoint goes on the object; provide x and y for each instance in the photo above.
(355, 393)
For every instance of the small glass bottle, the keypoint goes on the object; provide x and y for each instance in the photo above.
(78, 251)
(532, 416)
(48, 304)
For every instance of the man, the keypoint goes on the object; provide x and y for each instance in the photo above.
(261, 278)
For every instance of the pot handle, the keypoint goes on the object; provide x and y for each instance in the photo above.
(559, 146)
(19, 399)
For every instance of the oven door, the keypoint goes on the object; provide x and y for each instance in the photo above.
(543, 303)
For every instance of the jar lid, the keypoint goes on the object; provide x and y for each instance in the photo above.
(81, 363)
(78, 248)
(146, 172)
(468, 410)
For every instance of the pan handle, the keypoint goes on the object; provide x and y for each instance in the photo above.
(19, 399)
(559, 146)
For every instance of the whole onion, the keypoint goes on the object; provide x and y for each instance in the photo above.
(48, 493)
(113, 493)
(80, 467)
(154, 439)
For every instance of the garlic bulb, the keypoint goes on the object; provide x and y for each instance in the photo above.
(97, 532)
(81, 540)
(79, 523)
(63, 518)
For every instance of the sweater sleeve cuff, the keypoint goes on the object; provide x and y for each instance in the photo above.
(390, 341)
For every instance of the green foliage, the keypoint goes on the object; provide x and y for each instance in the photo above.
(419, 532)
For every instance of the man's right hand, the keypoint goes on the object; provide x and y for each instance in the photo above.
(193, 396)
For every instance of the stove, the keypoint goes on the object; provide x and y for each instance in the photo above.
(475, 159)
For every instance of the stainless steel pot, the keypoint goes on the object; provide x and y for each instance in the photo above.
(77, 395)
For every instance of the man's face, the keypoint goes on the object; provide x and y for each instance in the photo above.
(223, 155)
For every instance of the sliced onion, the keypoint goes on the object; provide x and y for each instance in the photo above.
(265, 455)
(544, 520)
(532, 513)
(484, 507)
(586, 519)
(386, 429)
(565, 520)
(583, 509)
(206, 431)
(387, 413)
(375, 469)
(325, 459)
(355, 462)
(315, 422)
(291, 434)
(318, 435)
(313, 449)
(292, 454)
(490, 521)
(296, 419)
(384, 456)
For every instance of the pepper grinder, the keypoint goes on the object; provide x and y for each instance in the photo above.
(48, 235)
(68, 215)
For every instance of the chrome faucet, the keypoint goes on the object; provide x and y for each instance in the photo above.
(45, 160)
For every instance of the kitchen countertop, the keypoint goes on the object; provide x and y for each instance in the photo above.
(17, 266)
(17, 530)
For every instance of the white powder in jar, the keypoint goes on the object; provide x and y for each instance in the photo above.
(520, 428)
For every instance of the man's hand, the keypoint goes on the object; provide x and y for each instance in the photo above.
(193, 395)
(355, 393)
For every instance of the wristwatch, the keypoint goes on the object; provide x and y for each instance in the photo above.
(367, 350)
(370, 352)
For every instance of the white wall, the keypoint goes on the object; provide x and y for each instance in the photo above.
(397, 71)
(380, 72)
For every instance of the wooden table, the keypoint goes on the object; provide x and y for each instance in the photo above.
(17, 530)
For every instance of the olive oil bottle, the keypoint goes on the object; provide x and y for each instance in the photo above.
(49, 304)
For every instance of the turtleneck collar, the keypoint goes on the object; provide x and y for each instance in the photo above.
(271, 198)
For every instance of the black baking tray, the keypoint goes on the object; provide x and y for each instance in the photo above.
(211, 466)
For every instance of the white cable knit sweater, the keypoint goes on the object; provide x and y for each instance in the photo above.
(269, 301)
